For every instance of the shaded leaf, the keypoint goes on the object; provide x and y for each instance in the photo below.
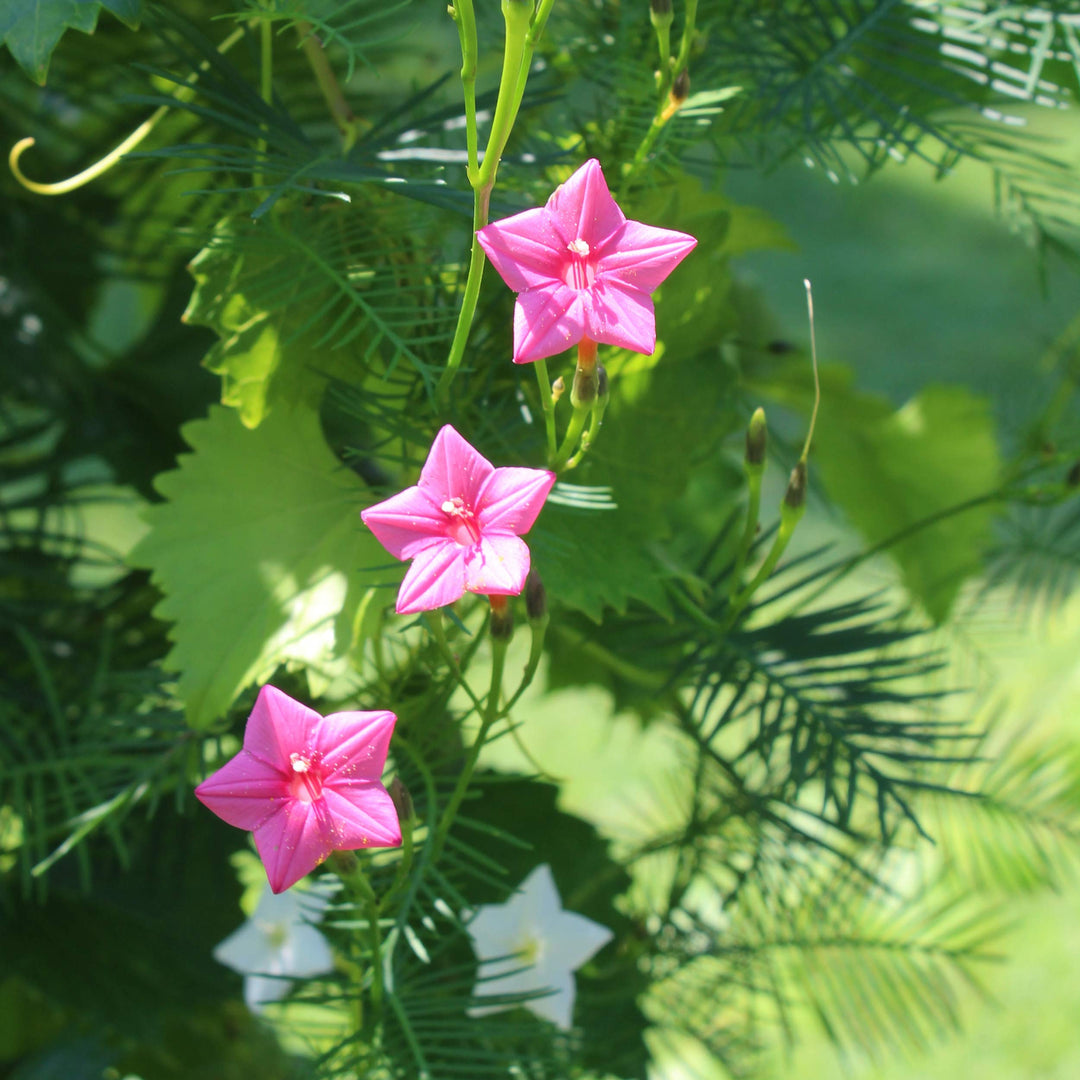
(31, 29)
(259, 552)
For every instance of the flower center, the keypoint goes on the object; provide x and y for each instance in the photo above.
(306, 783)
(277, 933)
(529, 949)
(580, 273)
(463, 527)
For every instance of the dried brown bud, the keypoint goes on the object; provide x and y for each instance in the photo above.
(502, 619)
(795, 496)
(402, 800)
(680, 88)
(535, 596)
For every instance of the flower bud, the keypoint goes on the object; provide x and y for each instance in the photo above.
(795, 496)
(558, 387)
(502, 619)
(660, 13)
(402, 800)
(535, 597)
(602, 390)
(757, 437)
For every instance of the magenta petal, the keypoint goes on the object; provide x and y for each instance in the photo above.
(583, 207)
(525, 249)
(355, 744)
(547, 321)
(293, 842)
(513, 498)
(453, 469)
(497, 566)
(363, 814)
(435, 579)
(278, 726)
(621, 316)
(641, 256)
(244, 791)
(406, 523)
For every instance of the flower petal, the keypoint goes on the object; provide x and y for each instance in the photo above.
(259, 990)
(293, 842)
(355, 744)
(246, 949)
(305, 952)
(547, 321)
(362, 814)
(453, 469)
(497, 566)
(525, 249)
(513, 498)
(244, 791)
(575, 938)
(435, 579)
(278, 726)
(583, 208)
(641, 256)
(617, 315)
(557, 1006)
(406, 523)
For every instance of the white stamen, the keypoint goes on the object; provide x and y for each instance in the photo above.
(300, 763)
(578, 247)
(456, 507)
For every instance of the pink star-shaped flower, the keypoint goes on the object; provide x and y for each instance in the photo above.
(581, 270)
(460, 525)
(306, 785)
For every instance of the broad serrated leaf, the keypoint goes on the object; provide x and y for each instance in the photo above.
(31, 29)
(259, 551)
(249, 290)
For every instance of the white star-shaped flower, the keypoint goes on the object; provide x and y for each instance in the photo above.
(532, 929)
(277, 941)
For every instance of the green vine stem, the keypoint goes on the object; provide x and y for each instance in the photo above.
(547, 403)
(754, 466)
(438, 634)
(522, 33)
(347, 867)
(668, 102)
(266, 88)
(490, 715)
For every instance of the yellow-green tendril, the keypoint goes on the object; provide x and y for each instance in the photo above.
(103, 165)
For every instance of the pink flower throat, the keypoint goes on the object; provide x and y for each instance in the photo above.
(579, 271)
(306, 782)
(462, 527)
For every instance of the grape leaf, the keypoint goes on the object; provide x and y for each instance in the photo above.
(249, 291)
(259, 551)
(31, 29)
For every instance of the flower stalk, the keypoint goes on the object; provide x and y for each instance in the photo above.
(548, 399)
(340, 112)
(490, 715)
(523, 31)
